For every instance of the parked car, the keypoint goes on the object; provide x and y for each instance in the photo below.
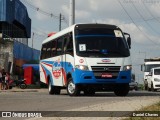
(153, 79)
(133, 85)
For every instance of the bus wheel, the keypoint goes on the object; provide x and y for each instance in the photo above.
(72, 89)
(121, 89)
(152, 88)
(57, 90)
(53, 89)
(50, 88)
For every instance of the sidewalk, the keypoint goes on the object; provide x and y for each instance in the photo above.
(16, 89)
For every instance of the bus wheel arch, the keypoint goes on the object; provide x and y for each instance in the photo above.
(68, 77)
(72, 89)
(50, 86)
(152, 87)
(53, 89)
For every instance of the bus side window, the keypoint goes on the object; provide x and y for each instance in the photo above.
(53, 48)
(43, 51)
(59, 46)
(48, 51)
(68, 47)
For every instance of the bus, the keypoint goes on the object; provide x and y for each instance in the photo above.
(87, 58)
(146, 68)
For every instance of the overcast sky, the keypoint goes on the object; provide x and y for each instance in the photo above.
(140, 18)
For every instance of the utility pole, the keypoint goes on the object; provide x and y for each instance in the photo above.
(32, 44)
(72, 13)
(60, 20)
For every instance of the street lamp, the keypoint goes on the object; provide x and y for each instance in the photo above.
(72, 12)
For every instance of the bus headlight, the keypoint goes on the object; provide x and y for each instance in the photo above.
(82, 67)
(156, 80)
(127, 67)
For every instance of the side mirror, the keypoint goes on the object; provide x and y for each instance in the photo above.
(129, 42)
(142, 67)
(150, 74)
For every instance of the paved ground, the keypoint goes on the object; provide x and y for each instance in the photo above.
(39, 100)
(14, 89)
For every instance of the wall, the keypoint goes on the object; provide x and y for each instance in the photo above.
(15, 13)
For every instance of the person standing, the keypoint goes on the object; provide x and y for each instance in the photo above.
(0, 79)
(7, 77)
(3, 79)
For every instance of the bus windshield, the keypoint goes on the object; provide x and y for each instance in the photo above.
(157, 72)
(149, 67)
(100, 42)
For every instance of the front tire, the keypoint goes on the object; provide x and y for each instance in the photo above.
(72, 89)
(121, 89)
(152, 88)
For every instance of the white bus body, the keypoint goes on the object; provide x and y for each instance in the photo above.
(88, 58)
(148, 65)
(153, 79)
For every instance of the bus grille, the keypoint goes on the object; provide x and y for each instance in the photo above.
(111, 70)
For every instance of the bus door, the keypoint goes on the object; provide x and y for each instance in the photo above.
(58, 64)
(68, 56)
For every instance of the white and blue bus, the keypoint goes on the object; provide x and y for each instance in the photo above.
(87, 58)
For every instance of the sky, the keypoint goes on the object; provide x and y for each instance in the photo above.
(139, 18)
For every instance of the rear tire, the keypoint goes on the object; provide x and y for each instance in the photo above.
(72, 89)
(23, 86)
(121, 89)
(53, 89)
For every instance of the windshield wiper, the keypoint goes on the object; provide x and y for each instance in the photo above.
(117, 53)
(96, 54)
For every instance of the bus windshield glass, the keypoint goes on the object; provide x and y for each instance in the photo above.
(100, 42)
(157, 72)
(149, 67)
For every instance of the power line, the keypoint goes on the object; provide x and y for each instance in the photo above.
(151, 13)
(143, 18)
(136, 24)
(40, 10)
(43, 11)
(39, 31)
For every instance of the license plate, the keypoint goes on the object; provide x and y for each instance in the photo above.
(105, 75)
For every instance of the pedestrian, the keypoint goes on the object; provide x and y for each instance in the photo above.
(0, 80)
(3, 79)
(7, 78)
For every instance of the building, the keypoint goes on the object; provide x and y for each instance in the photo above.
(15, 29)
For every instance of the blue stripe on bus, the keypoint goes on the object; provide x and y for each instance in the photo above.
(48, 73)
(48, 62)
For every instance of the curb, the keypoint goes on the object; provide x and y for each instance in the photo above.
(21, 90)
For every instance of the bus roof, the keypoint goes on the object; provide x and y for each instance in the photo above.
(152, 62)
(156, 68)
(152, 59)
(71, 28)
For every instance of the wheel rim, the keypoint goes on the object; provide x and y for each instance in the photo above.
(71, 87)
(49, 87)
